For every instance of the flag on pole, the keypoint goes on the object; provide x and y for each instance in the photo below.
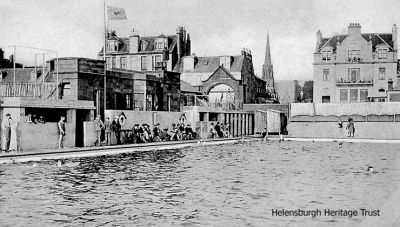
(115, 13)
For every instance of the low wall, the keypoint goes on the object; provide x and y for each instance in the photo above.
(89, 135)
(149, 117)
(270, 119)
(367, 130)
(43, 136)
(284, 108)
(344, 109)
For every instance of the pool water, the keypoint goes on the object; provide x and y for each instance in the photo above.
(222, 185)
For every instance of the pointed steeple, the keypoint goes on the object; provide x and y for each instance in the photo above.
(268, 68)
(267, 60)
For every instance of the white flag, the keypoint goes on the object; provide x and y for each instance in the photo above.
(116, 13)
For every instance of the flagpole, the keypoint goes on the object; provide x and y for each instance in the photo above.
(105, 62)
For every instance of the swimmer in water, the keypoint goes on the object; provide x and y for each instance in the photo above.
(370, 169)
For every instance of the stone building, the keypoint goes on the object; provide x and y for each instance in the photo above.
(354, 67)
(147, 53)
(223, 77)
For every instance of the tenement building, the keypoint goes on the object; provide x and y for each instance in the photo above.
(355, 67)
(147, 53)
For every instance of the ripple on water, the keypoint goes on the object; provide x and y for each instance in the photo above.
(234, 185)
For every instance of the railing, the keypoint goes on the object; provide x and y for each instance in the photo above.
(354, 82)
(224, 104)
(32, 90)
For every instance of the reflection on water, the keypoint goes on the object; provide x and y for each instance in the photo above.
(227, 185)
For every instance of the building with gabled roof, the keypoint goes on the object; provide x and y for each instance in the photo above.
(354, 67)
(147, 53)
(223, 77)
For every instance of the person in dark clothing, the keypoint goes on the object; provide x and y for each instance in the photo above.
(135, 133)
(116, 127)
(156, 133)
(218, 130)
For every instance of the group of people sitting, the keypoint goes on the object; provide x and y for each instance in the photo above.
(140, 133)
(219, 130)
(143, 133)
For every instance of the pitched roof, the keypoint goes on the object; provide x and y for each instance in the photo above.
(210, 64)
(21, 74)
(187, 88)
(376, 39)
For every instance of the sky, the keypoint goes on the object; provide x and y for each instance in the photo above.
(75, 28)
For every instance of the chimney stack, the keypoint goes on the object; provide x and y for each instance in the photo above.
(354, 29)
(134, 42)
(179, 41)
(394, 36)
(319, 40)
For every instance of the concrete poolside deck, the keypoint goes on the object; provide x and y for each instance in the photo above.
(43, 154)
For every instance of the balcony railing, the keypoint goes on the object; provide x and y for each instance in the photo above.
(31, 90)
(362, 82)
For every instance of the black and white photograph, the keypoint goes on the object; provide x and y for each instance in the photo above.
(199, 113)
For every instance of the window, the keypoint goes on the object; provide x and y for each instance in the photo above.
(353, 95)
(128, 99)
(123, 63)
(354, 74)
(160, 45)
(139, 101)
(149, 102)
(382, 72)
(108, 63)
(382, 53)
(325, 74)
(326, 99)
(66, 89)
(326, 55)
(144, 62)
(113, 63)
(344, 95)
(354, 55)
(112, 45)
(158, 61)
(363, 95)
(142, 46)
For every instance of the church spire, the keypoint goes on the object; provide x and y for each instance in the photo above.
(267, 61)
(268, 68)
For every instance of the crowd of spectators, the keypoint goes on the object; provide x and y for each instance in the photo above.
(140, 133)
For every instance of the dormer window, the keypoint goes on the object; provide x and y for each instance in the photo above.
(326, 55)
(382, 53)
(112, 45)
(160, 45)
(143, 46)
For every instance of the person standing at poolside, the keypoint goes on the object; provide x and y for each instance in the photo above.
(61, 132)
(340, 126)
(107, 131)
(116, 128)
(98, 126)
(7, 131)
(350, 127)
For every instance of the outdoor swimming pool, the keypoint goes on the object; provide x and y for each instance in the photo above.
(223, 185)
